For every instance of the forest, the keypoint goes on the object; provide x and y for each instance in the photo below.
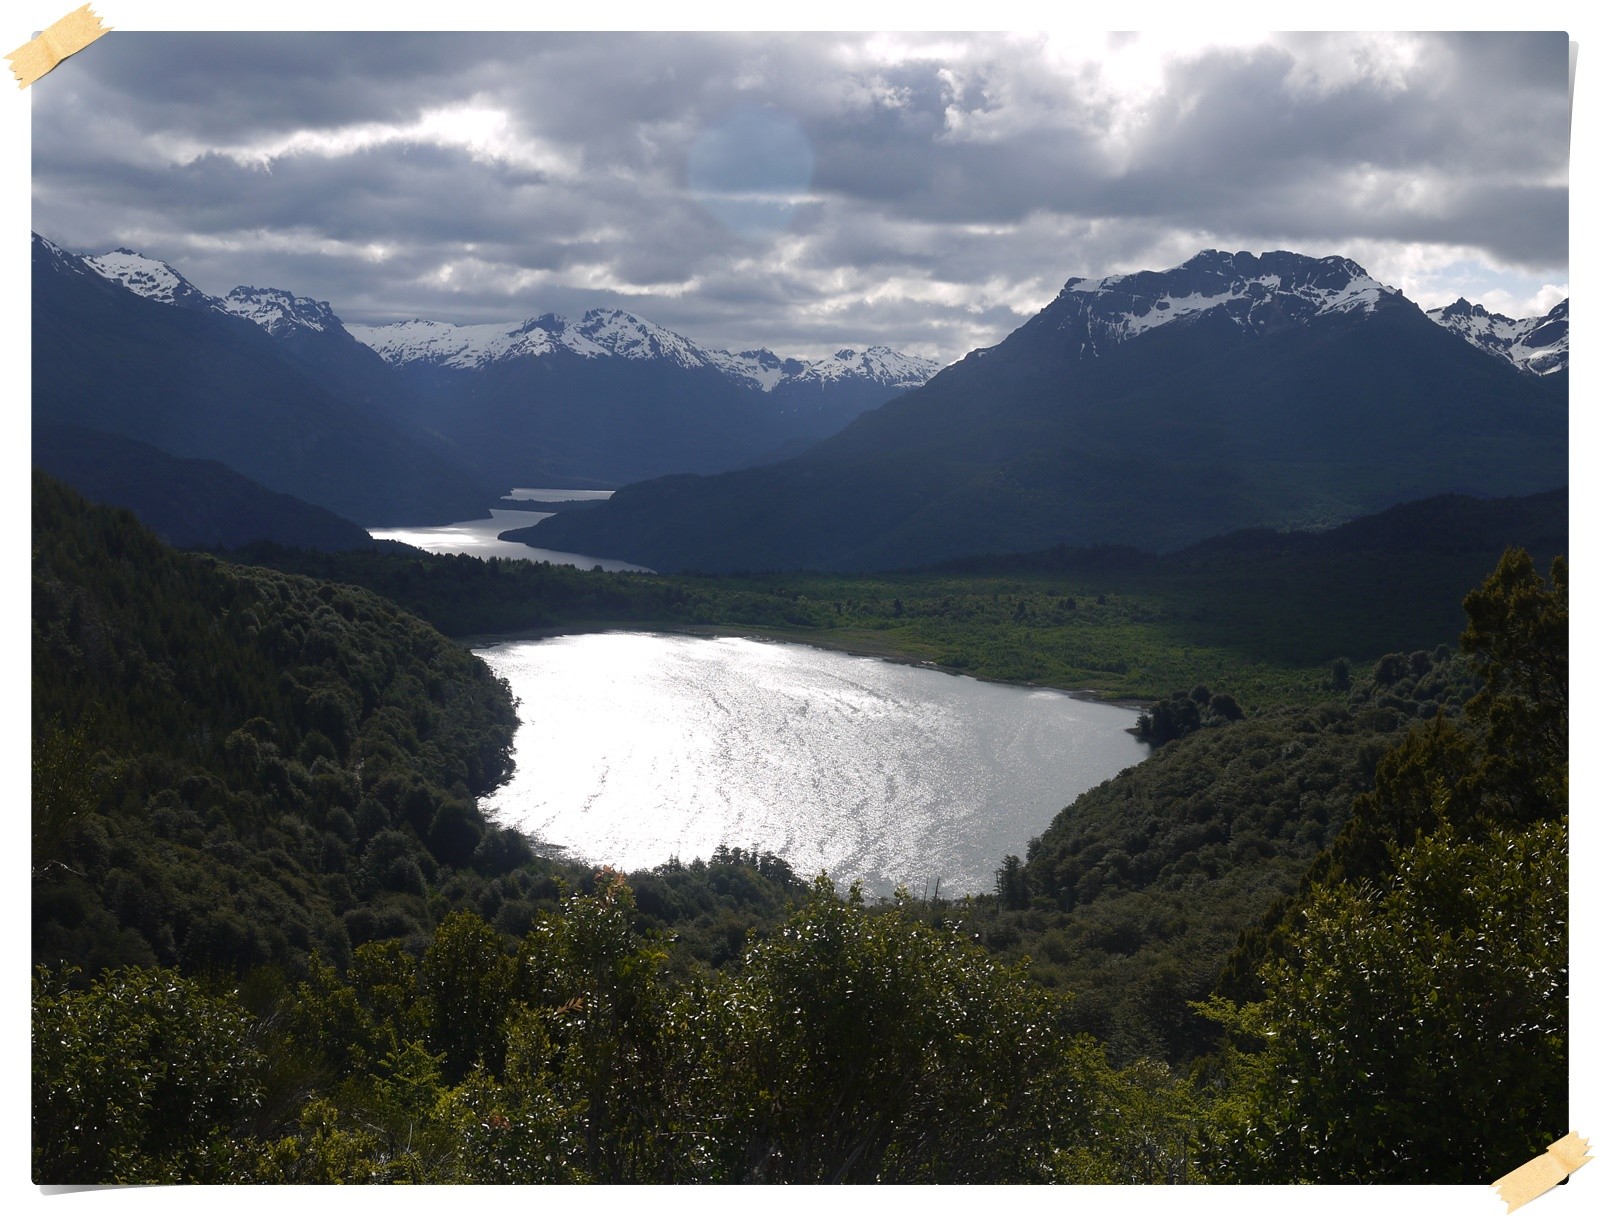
(1319, 936)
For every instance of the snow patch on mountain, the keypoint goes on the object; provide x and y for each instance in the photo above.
(155, 280)
(277, 311)
(760, 367)
(66, 263)
(1258, 293)
(609, 332)
(443, 344)
(626, 336)
(601, 333)
(878, 364)
(435, 342)
(280, 312)
(1537, 345)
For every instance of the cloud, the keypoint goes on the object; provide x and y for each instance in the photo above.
(801, 192)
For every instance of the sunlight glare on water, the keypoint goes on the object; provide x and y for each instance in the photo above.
(635, 748)
(481, 538)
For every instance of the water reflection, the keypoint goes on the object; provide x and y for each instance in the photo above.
(636, 748)
(481, 538)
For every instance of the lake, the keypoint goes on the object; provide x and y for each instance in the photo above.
(635, 748)
(524, 494)
(481, 537)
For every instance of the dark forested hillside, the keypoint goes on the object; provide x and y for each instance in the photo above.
(253, 813)
(1135, 894)
(1404, 1017)
(234, 767)
(278, 943)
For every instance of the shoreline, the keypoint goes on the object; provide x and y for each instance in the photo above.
(775, 634)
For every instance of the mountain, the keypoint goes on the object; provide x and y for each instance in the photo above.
(611, 397)
(138, 352)
(307, 332)
(599, 401)
(281, 313)
(144, 276)
(604, 333)
(1257, 295)
(189, 504)
(178, 702)
(1533, 344)
(1153, 409)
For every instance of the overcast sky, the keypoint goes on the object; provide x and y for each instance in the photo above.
(803, 192)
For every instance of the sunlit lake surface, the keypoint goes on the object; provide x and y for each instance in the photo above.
(635, 748)
(481, 537)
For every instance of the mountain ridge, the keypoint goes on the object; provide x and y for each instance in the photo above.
(601, 401)
(1301, 395)
(599, 332)
(1537, 345)
(199, 382)
(1241, 389)
(1256, 290)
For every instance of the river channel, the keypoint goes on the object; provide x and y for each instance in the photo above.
(481, 537)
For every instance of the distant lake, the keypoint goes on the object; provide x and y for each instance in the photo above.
(481, 537)
(635, 748)
(522, 494)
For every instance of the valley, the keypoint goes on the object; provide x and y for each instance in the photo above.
(1260, 614)
(750, 608)
(348, 824)
(483, 538)
(445, 852)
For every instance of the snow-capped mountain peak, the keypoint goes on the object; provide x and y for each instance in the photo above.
(1537, 345)
(601, 333)
(628, 337)
(877, 363)
(1258, 293)
(759, 367)
(279, 312)
(613, 333)
(148, 277)
(442, 344)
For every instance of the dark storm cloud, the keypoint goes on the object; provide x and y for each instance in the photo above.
(950, 184)
(224, 86)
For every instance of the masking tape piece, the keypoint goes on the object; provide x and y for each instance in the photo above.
(66, 37)
(1543, 1172)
